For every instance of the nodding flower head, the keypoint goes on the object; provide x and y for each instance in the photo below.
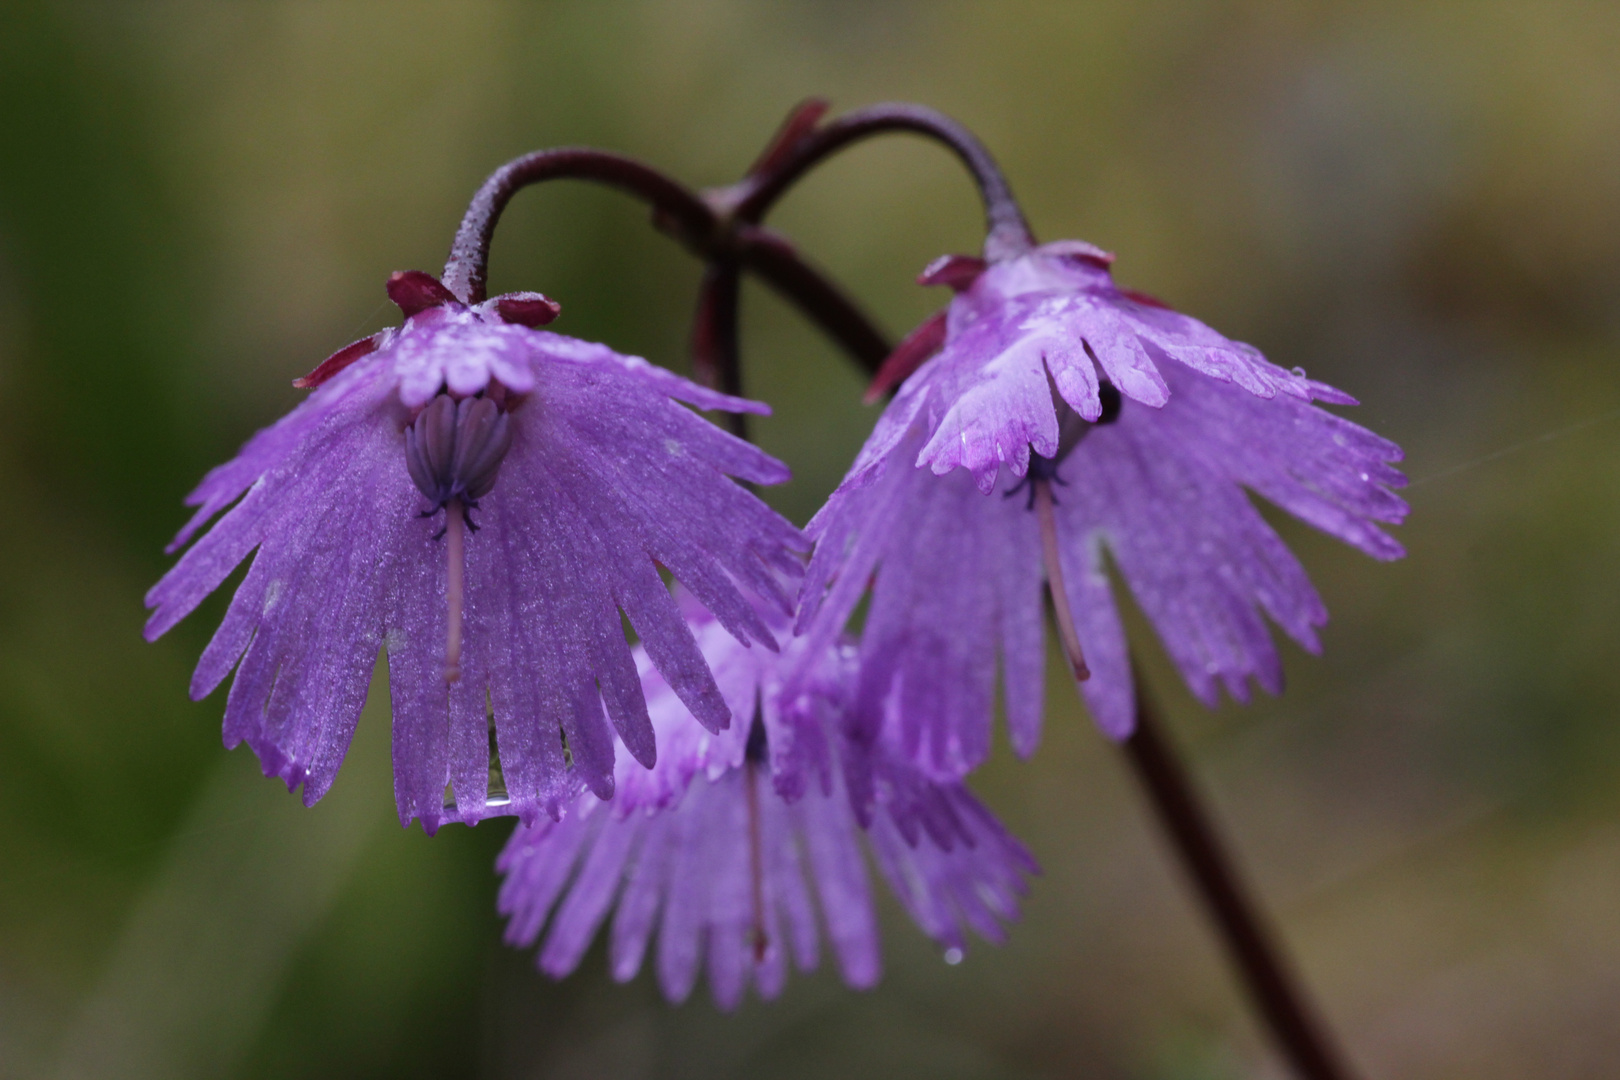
(590, 477)
(1049, 328)
(1133, 433)
(717, 849)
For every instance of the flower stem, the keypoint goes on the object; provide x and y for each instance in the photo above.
(1269, 978)
(466, 271)
(677, 210)
(455, 568)
(1260, 961)
(715, 359)
(1007, 234)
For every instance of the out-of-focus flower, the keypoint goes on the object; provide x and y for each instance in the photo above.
(483, 500)
(717, 848)
(1150, 425)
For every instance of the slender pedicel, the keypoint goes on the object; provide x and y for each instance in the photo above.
(1007, 233)
(1041, 492)
(677, 210)
(714, 336)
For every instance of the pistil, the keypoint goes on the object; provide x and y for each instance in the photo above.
(453, 451)
(1041, 490)
(455, 556)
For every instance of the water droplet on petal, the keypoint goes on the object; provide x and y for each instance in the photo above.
(953, 956)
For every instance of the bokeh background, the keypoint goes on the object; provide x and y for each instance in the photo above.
(1416, 200)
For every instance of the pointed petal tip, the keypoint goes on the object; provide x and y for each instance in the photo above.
(645, 751)
(336, 363)
(957, 271)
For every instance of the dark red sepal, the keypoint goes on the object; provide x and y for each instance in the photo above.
(527, 308)
(337, 362)
(799, 123)
(907, 357)
(957, 271)
(1145, 298)
(415, 291)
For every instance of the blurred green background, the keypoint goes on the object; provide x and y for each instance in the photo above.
(1417, 201)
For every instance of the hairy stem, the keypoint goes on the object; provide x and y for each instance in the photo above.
(677, 210)
(466, 271)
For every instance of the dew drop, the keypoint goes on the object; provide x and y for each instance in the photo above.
(953, 956)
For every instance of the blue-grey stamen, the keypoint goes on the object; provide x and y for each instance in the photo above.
(454, 450)
(1072, 428)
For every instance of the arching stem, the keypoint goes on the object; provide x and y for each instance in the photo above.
(466, 271)
(1007, 233)
(677, 210)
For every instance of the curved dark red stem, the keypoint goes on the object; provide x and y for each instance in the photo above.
(1007, 233)
(774, 259)
(677, 210)
(715, 359)
(466, 271)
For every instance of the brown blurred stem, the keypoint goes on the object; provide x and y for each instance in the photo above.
(1253, 949)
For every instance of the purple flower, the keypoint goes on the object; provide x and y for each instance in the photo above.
(482, 499)
(1033, 349)
(715, 849)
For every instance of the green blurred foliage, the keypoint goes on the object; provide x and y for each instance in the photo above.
(1416, 201)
